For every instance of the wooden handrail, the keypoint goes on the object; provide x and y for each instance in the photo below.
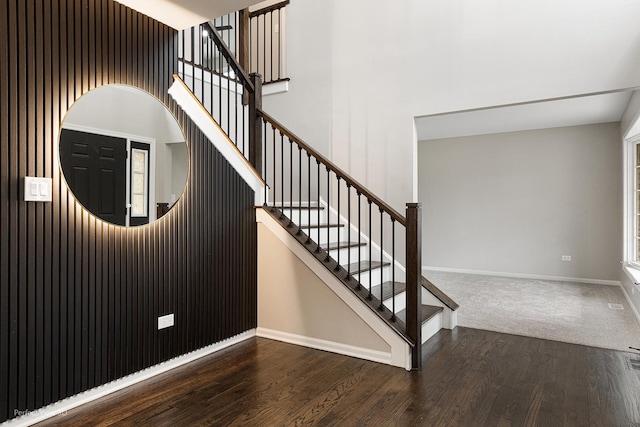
(339, 172)
(268, 9)
(230, 57)
(436, 292)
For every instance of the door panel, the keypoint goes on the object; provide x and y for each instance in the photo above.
(98, 180)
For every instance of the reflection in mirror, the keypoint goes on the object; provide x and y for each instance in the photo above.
(123, 155)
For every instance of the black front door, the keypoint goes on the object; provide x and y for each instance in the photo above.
(95, 169)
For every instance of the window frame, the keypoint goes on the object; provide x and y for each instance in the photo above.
(631, 208)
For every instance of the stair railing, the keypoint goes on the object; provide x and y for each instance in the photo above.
(215, 77)
(265, 42)
(296, 174)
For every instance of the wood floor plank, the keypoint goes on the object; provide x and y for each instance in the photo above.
(469, 377)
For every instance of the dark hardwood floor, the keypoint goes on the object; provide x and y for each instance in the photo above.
(470, 378)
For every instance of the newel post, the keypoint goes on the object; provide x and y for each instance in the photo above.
(414, 281)
(255, 123)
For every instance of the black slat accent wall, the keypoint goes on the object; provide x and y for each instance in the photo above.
(79, 298)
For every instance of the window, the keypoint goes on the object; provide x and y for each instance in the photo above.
(632, 201)
(139, 183)
(636, 205)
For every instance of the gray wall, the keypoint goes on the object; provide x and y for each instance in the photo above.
(516, 202)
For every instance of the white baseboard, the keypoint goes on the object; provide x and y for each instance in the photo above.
(319, 344)
(61, 407)
(524, 276)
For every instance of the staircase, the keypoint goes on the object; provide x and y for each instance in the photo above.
(346, 255)
(374, 251)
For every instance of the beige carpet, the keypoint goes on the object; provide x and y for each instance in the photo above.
(561, 311)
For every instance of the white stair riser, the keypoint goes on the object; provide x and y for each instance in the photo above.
(363, 277)
(344, 254)
(431, 327)
(304, 216)
(335, 234)
(401, 302)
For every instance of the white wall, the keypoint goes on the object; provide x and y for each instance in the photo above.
(516, 202)
(361, 70)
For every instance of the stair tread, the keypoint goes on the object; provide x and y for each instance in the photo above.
(362, 266)
(428, 311)
(341, 245)
(387, 289)
(322, 226)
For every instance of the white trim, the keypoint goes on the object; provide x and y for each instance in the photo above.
(414, 162)
(524, 276)
(275, 88)
(186, 100)
(62, 406)
(331, 346)
(631, 304)
(400, 349)
(223, 82)
(636, 117)
(632, 272)
(629, 200)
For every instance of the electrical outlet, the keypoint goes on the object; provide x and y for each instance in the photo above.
(566, 257)
(165, 321)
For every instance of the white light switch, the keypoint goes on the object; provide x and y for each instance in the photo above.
(37, 189)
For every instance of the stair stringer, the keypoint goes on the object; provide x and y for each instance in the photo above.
(199, 115)
(400, 351)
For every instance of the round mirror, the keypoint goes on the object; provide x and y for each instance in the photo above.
(123, 155)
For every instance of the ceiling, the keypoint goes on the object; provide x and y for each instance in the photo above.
(570, 111)
(181, 14)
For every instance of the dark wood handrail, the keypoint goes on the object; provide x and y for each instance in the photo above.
(230, 57)
(339, 172)
(268, 9)
(436, 292)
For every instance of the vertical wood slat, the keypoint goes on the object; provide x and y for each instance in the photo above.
(79, 299)
(20, 225)
(48, 138)
(30, 153)
(4, 205)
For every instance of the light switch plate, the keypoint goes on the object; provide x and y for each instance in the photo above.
(37, 189)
